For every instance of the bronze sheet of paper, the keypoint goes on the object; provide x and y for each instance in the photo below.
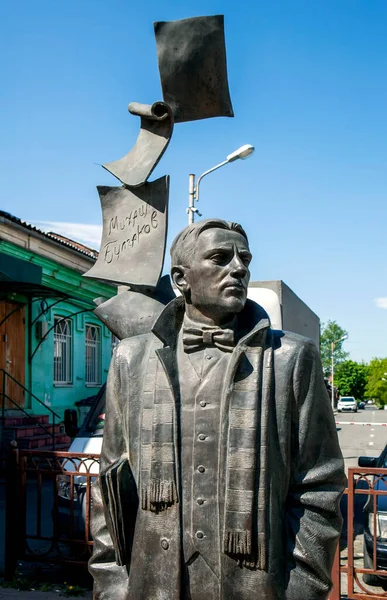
(193, 69)
(134, 234)
(156, 131)
(134, 312)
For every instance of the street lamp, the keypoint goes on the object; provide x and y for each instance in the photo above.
(333, 346)
(243, 152)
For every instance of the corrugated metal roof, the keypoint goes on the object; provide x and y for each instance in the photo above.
(60, 239)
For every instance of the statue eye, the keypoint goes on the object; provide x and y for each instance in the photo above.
(220, 258)
(245, 257)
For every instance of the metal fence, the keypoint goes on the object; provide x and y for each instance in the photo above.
(48, 501)
(362, 554)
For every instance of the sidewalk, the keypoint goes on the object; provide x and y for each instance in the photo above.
(12, 594)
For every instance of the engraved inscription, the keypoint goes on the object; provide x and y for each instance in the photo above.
(128, 231)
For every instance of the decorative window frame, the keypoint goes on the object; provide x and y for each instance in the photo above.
(93, 355)
(64, 350)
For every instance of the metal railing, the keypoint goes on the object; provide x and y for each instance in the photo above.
(48, 502)
(48, 429)
(366, 486)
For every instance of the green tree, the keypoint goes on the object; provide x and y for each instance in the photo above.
(376, 385)
(351, 378)
(330, 332)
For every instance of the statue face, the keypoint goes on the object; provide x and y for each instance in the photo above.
(218, 274)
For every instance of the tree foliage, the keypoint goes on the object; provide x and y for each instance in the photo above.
(330, 332)
(351, 378)
(376, 386)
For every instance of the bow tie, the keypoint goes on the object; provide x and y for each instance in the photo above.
(195, 338)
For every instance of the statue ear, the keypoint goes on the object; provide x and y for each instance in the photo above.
(179, 279)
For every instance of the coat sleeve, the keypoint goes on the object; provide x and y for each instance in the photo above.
(317, 482)
(110, 580)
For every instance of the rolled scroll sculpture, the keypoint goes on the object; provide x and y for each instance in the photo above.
(156, 130)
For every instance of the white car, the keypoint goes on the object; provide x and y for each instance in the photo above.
(347, 404)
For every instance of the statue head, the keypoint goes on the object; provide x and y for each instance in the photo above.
(210, 267)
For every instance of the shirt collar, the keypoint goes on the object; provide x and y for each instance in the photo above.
(249, 322)
(187, 322)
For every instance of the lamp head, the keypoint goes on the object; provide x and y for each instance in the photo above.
(243, 152)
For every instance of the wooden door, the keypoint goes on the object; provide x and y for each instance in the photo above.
(12, 351)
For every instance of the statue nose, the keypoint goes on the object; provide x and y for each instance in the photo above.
(238, 267)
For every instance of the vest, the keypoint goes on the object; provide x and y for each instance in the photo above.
(201, 377)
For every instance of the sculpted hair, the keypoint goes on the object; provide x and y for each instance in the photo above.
(183, 246)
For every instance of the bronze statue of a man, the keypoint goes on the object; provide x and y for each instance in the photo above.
(221, 474)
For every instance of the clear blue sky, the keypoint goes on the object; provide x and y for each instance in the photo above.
(308, 82)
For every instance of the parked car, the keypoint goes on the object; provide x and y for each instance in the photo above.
(361, 405)
(347, 404)
(379, 520)
(86, 439)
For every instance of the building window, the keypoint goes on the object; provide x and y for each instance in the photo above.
(63, 367)
(93, 355)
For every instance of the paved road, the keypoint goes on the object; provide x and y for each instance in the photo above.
(361, 433)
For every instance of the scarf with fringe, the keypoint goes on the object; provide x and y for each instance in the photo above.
(245, 415)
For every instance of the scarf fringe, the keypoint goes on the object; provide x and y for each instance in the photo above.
(237, 542)
(159, 495)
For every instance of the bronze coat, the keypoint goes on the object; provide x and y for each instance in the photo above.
(305, 471)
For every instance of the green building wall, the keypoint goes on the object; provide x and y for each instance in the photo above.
(74, 293)
(58, 397)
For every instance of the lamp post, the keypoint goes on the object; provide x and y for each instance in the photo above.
(243, 152)
(333, 346)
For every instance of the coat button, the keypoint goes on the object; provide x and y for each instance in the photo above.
(200, 501)
(199, 535)
(203, 403)
(201, 469)
(164, 544)
(202, 437)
